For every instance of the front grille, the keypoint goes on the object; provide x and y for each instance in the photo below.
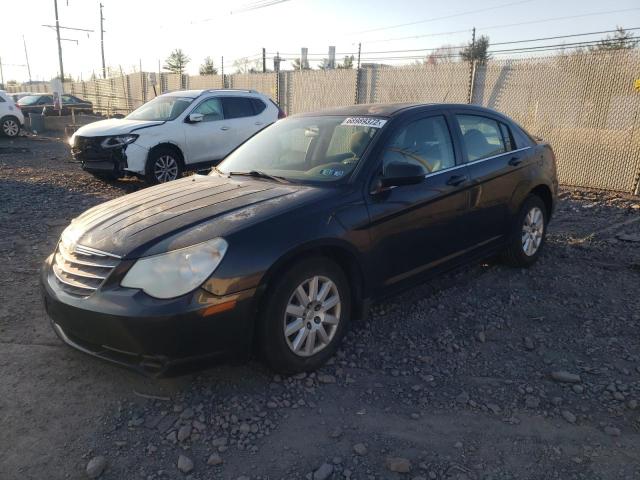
(90, 147)
(82, 270)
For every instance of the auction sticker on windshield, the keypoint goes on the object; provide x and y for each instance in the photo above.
(364, 122)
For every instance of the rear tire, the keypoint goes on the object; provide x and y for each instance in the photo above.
(528, 233)
(10, 127)
(302, 326)
(163, 165)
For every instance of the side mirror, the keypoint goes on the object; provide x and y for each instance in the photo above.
(195, 117)
(397, 173)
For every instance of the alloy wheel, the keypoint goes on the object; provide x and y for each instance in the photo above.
(312, 316)
(10, 128)
(532, 231)
(165, 169)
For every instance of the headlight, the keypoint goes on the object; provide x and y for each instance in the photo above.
(175, 273)
(72, 139)
(119, 141)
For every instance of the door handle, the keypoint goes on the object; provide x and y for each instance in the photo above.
(456, 180)
(224, 128)
(515, 161)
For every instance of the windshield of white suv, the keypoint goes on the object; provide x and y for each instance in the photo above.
(323, 148)
(161, 109)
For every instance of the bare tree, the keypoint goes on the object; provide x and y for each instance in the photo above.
(621, 40)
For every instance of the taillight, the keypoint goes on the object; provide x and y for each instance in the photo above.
(281, 113)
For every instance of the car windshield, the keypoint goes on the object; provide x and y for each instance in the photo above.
(161, 109)
(316, 149)
(29, 100)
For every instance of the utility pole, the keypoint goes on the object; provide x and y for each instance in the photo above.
(222, 69)
(26, 56)
(472, 64)
(55, 5)
(357, 99)
(1, 74)
(104, 69)
(264, 60)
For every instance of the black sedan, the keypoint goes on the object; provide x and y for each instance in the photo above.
(296, 232)
(43, 103)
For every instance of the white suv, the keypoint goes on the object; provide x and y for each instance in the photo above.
(11, 118)
(189, 129)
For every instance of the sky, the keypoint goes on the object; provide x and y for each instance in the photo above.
(143, 32)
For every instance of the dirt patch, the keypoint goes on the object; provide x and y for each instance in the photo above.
(452, 379)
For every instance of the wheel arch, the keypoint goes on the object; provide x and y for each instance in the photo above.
(525, 189)
(340, 252)
(171, 146)
(544, 192)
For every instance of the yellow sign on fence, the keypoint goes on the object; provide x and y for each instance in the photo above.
(636, 84)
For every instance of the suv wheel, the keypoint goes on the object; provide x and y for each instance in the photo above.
(306, 315)
(10, 126)
(528, 235)
(163, 166)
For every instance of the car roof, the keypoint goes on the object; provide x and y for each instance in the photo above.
(389, 109)
(197, 93)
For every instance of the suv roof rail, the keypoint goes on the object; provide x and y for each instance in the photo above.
(211, 90)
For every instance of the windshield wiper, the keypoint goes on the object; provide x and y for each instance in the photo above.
(260, 174)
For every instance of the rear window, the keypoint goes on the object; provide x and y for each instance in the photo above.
(29, 100)
(237, 107)
(258, 105)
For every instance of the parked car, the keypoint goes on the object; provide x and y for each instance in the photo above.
(42, 103)
(18, 95)
(11, 118)
(296, 232)
(189, 129)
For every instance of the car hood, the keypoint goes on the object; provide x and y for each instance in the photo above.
(114, 126)
(182, 213)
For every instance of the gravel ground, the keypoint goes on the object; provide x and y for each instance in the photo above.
(485, 373)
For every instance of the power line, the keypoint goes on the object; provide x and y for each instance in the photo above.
(257, 5)
(460, 14)
(507, 25)
(493, 44)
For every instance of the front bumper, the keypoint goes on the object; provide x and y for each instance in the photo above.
(95, 158)
(130, 328)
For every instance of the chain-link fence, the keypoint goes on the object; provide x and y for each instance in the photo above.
(583, 103)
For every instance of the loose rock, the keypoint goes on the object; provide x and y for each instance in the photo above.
(398, 464)
(185, 464)
(96, 466)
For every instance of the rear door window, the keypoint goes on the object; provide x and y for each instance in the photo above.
(507, 137)
(481, 136)
(237, 107)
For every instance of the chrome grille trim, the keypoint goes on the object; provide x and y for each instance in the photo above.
(82, 270)
(99, 263)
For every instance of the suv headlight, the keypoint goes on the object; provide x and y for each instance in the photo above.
(119, 141)
(175, 273)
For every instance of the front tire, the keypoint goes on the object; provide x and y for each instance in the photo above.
(163, 165)
(10, 127)
(305, 316)
(528, 233)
